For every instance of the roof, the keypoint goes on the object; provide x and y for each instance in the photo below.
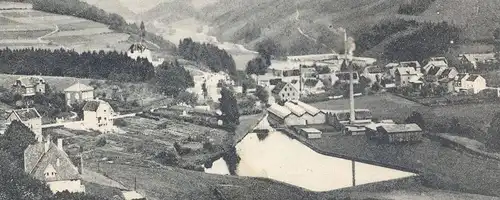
(406, 70)
(461, 76)
(26, 114)
(279, 86)
(37, 160)
(398, 128)
(479, 57)
(132, 195)
(93, 105)
(434, 71)
(436, 64)
(311, 82)
(30, 81)
(413, 64)
(473, 77)
(295, 109)
(309, 109)
(375, 70)
(391, 65)
(279, 110)
(311, 130)
(137, 47)
(78, 87)
(284, 65)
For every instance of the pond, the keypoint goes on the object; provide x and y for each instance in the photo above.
(284, 159)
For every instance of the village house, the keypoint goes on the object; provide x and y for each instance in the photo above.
(132, 195)
(344, 77)
(139, 51)
(403, 75)
(475, 59)
(29, 85)
(29, 117)
(413, 64)
(374, 73)
(441, 65)
(437, 59)
(49, 163)
(397, 133)
(474, 84)
(98, 115)
(78, 93)
(313, 86)
(339, 118)
(285, 91)
(294, 113)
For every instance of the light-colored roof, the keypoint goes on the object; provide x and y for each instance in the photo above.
(132, 195)
(309, 109)
(391, 65)
(479, 57)
(406, 71)
(295, 109)
(374, 125)
(397, 128)
(78, 87)
(311, 130)
(436, 64)
(37, 160)
(414, 64)
(279, 111)
(30, 81)
(26, 114)
(284, 65)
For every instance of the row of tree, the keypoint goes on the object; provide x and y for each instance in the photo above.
(207, 54)
(16, 184)
(172, 78)
(97, 65)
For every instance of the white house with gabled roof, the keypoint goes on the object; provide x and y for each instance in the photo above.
(49, 163)
(78, 92)
(98, 115)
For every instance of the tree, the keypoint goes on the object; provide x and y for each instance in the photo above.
(204, 88)
(415, 118)
(229, 108)
(268, 48)
(244, 87)
(455, 126)
(256, 66)
(186, 97)
(262, 94)
(16, 139)
(494, 132)
(171, 78)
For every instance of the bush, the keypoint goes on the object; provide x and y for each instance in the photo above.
(101, 142)
(120, 122)
(168, 159)
(181, 150)
(208, 146)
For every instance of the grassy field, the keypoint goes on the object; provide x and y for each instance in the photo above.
(70, 32)
(387, 106)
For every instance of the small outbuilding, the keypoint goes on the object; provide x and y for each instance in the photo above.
(310, 133)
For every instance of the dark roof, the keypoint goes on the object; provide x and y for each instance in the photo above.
(433, 70)
(413, 64)
(37, 160)
(279, 86)
(311, 82)
(446, 72)
(472, 77)
(26, 114)
(375, 70)
(294, 81)
(91, 105)
(137, 47)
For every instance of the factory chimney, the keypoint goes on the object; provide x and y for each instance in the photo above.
(348, 56)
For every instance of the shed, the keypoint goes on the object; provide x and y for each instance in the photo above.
(310, 133)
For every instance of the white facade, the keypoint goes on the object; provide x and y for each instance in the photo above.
(100, 119)
(146, 53)
(476, 85)
(69, 185)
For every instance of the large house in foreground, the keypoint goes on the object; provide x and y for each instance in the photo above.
(29, 117)
(29, 85)
(98, 115)
(48, 162)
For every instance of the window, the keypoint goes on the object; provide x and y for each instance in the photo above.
(286, 89)
(283, 95)
(288, 94)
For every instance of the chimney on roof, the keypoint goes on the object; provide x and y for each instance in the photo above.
(60, 144)
(47, 144)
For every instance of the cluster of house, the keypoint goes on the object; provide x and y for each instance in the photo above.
(435, 72)
(312, 122)
(45, 160)
(139, 50)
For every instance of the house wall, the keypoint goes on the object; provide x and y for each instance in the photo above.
(292, 120)
(274, 119)
(90, 119)
(73, 97)
(34, 125)
(70, 185)
(144, 54)
(403, 80)
(403, 137)
(40, 88)
(104, 116)
(289, 93)
(479, 85)
(319, 118)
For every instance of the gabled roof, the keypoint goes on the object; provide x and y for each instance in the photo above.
(473, 77)
(479, 57)
(78, 87)
(37, 160)
(30, 81)
(436, 64)
(309, 109)
(279, 110)
(26, 114)
(375, 70)
(391, 65)
(414, 64)
(94, 105)
(137, 47)
(461, 76)
(434, 71)
(279, 86)
(398, 128)
(406, 71)
(295, 109)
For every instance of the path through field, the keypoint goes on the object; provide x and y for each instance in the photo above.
(40, 39)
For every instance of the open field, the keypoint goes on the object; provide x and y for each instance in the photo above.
(388, 106)
(40, 28)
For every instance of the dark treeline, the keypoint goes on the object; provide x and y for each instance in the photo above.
(378, 33)
(210, 55)
(96, 65)
(414, 7)
(430, 40)
(84, 10)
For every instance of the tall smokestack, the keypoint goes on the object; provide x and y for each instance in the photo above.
(348, 56)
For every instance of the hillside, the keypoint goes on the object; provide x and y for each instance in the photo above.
(31, 28)
(276, 19)
(115, 6)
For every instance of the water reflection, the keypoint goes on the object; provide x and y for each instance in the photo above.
(284, 159)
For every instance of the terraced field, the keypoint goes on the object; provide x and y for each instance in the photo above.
(31, 28)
